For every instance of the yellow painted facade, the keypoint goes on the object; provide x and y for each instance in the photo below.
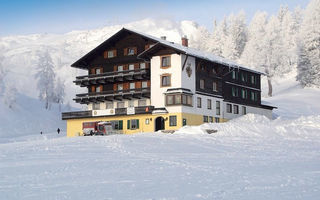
(74, 126)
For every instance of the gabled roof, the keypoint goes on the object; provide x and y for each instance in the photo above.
(81, 63)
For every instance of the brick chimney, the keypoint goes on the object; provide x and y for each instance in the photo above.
(184, 41)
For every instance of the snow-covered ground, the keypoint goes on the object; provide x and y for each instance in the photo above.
(249, 158)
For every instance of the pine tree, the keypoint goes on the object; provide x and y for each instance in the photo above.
(10, 95)
(46, 78)
(309, 47)
(217, 40)
(236, 36)
(59, 92)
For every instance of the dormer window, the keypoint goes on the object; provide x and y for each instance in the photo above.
(98, 71)
(130, 51)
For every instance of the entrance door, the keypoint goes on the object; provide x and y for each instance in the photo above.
(159, 123)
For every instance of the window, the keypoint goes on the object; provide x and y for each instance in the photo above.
(120, 87)
(144, 84)
(120, 104)
(142, 65)
(244, 93)
(120, 68)
(173, 120)
(111, 54)
(170, 99)
(217, 107)
(205, 118)
(254, 96)
(131, 51)
(147, 121)
(209, 104)
(253, 79)
(216, 119)
(131, 103)
(165, 80)
(165, 61)
(201, 83)
(198, 102)
(117, 124)
(235, 109)
(132, 86)
(98, 89)
(214, 71)
(177, 99)
(215, 86)
(229, 108)
(210, 119)
(142, 102)
(96, 106)
(234, 75)
(98, 71)
(133, 124)
(244, 110)
(235, 92)
(203, 67)
(109, 105)
(244, 77)
(131, 67)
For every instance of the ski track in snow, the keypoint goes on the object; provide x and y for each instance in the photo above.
(160, 166)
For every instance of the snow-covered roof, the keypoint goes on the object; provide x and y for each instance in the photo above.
(194, 52)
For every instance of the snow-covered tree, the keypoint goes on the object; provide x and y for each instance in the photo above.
(309, 47)
(46, 79)
(10, 95)
(254, 52)
(236, 36)
(59, 92)
(3, 73)
(218, 37)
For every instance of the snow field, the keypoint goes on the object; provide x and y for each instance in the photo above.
(280, 161)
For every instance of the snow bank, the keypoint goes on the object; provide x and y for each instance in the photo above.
(260, 126)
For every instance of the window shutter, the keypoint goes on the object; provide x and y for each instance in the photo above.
(93, 88)
(125, 67)
(115, 68)
(101, 70)
(138, 84)
(126, 86)
(135, 50)
(101, 88)
(147, 65)
(137, 124)
(92, 71)
(114, 53)
(105, 54)
(148, 83)
(125, 51)
(128, 124)
(136, 65)
(146, 46)
(120, 124)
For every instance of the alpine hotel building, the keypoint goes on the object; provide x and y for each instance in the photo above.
(144, 84)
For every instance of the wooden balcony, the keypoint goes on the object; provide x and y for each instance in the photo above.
(97, 97)
(118, 111)
(112, 77)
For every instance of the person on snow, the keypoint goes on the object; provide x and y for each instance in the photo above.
(58, 130)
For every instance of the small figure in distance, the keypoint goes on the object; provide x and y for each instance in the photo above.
(41, 132)
(58, 130)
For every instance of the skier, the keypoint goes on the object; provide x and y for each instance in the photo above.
(58, 130)
(41, 132)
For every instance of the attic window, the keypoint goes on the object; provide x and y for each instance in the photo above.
(130, 51)
(110, 54)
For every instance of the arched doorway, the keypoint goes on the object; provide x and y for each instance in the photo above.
(159, 123)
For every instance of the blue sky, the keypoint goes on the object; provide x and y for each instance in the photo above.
(60, 16)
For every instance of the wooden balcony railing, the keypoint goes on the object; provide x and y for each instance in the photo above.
(112, 77)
